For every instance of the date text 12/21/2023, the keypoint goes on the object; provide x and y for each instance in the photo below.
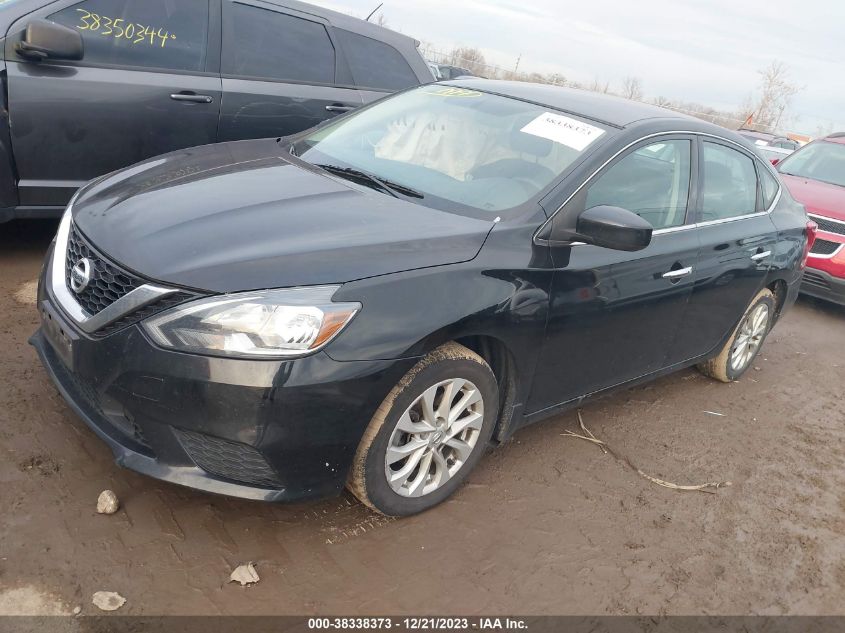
(419, 624)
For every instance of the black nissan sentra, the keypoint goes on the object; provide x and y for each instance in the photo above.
(375, 302)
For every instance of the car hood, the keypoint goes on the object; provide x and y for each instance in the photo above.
(243, 216)
(819, 197)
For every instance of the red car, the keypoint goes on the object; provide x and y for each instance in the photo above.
(815, 176)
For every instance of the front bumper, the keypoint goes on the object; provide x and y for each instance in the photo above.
(264, 430)
(822, 285)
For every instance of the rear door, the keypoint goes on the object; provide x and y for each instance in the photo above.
(282, 72)
(614, 315)
(148, 84)
(737, 237)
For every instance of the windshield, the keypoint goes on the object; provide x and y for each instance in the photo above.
(454, 147)
(818, 161)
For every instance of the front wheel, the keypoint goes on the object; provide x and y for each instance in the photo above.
(428, 433)
(742, 348)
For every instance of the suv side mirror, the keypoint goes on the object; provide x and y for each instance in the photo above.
(47, 40)
(605, 226)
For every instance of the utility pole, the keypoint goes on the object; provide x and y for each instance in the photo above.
(516, 67)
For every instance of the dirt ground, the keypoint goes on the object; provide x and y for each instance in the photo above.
(547, 524)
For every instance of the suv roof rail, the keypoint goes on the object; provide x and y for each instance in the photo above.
(836, 135)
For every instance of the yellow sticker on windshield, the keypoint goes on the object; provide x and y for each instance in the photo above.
(445, 91)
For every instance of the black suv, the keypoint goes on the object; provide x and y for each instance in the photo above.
(90, 87)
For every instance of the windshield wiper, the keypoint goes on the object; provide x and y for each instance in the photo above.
(388, 186)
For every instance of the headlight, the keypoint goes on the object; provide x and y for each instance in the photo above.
(262, 324)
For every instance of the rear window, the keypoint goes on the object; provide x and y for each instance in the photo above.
(375, 64)
(270, 45)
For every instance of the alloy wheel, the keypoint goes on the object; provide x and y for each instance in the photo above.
(434, 437)
(750, 337)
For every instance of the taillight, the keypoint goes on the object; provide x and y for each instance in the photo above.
(812, 231)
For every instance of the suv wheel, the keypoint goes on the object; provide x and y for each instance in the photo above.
(740, 351)
(428, 433)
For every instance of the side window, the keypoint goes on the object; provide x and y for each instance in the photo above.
(272, 45)
(143, 33)
(652, 181)
(770, 187)
(375, 64)
(729, 188)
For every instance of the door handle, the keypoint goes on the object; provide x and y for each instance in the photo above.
(191, 97)
(761, 256)
(339, 108)
(678, 274)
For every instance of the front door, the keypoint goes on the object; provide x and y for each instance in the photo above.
(145, 86)
(614, 315)
(282, 72)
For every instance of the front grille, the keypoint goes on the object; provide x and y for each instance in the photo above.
(108, 282)
(824, 247)
(229, 460)
(829, 226)
(816, 280)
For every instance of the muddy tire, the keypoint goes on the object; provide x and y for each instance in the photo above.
(428, 434)
(745, 342)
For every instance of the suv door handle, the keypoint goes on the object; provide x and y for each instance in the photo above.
(337, 107)
(761, 256)
(678, 274)
(191, 97)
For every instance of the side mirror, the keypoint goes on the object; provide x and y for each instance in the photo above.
(614, 227)
(47, 40)
(605, 226)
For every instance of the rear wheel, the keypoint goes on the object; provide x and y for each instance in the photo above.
(428, 434)
(740, 351)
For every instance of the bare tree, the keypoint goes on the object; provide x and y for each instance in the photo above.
(382, 21)
(597, 86)
(632, 88)
(556, 79)
(470, 58)
(775, 96)
(662, 101)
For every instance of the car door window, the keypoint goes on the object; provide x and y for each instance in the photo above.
(166, 34)
(375, 64)
(729, 188)
(770, 187)
(271, 45)
(652, 181)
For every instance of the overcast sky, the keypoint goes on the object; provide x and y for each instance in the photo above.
(706, 51)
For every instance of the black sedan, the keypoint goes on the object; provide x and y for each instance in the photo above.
(375, 302)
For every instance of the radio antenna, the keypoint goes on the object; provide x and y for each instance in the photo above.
(374, 11)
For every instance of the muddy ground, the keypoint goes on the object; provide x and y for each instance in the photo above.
(548, 524)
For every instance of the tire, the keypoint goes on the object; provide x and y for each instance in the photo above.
(402, 423)
(727, 367)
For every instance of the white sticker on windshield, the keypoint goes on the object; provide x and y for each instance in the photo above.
(564, 130)
(761, 143)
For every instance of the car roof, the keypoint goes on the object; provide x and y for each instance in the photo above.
(758, 134)
(838, 137)
(604, 108)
